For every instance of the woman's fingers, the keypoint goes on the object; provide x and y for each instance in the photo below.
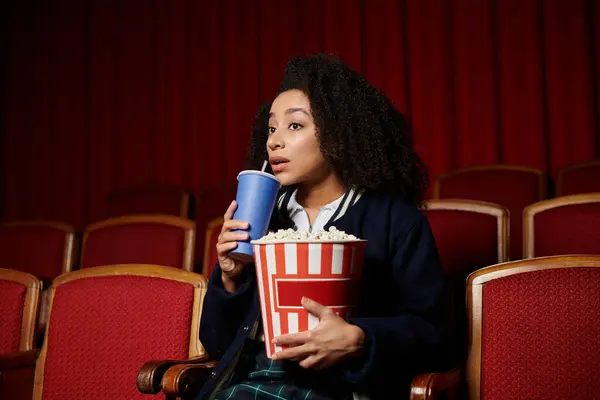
(295, 353)
(232, 232)
(224, 248)
(230, 210)
(311, 362)
(233, 237)
(234, 224)
(292, 339)
(230, 224)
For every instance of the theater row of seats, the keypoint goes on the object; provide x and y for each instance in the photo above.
(533, 333)
(511, 187)
(471, 234)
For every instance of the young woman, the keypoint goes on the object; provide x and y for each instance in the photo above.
(344, 157)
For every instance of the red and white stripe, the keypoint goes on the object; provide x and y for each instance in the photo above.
(326, 272)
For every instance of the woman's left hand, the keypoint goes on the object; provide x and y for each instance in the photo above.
(330, 342)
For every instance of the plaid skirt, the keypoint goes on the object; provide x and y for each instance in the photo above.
(265, 379)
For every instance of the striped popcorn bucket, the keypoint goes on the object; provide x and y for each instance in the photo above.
(327, 272)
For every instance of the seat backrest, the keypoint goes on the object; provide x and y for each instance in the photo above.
(150, 199)
(213, 230)
(563, 225)
(469, 234)
(106, 322)
(534, 331)
(513, 187)
(44, 249)
(580, 178)
(140, 239)
(19, 302)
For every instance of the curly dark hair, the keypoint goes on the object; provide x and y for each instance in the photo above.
(362, 135)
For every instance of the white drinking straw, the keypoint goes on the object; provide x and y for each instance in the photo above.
(264, 166)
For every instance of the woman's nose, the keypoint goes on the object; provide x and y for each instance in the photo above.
(275, 142)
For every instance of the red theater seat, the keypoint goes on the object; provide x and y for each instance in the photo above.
(141, 239)
(564, 225)
(19, 303)
(105, 322)
(580, 178)
(534, 329)
(44, 249)
(469, 234)
(513, 187)
(534, 333)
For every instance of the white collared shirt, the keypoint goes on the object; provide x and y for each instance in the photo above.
(299, 216)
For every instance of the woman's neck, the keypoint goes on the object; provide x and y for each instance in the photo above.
(319, 194)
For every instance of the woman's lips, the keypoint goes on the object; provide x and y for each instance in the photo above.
(279, 166)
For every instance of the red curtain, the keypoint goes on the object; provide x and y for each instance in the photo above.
(101, 94)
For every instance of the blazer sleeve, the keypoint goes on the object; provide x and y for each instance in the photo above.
(224, 312)
(410, 340)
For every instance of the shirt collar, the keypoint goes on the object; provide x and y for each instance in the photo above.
(340, 205)
(294, 207)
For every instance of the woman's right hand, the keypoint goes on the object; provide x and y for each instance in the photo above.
(230, 268)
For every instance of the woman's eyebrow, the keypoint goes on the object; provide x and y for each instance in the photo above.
(291, 111)
(296, 109)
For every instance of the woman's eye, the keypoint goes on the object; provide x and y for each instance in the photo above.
(271, 130)
(295, 126)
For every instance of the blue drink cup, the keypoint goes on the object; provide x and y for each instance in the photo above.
(256, 197)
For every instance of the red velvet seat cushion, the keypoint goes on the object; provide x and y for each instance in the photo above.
(541, 335)
(37, 250)
(512, 189)
(572, 229)
(581, 180)
(136, 243)
(12, 301)
(103, 329)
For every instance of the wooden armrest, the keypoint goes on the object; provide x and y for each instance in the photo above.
(430, 386)
(18, 359)
(149, 379)
(185, 379)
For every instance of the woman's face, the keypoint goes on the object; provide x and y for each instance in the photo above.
(293, 147)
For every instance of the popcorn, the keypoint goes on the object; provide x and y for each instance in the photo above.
(290, 235)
